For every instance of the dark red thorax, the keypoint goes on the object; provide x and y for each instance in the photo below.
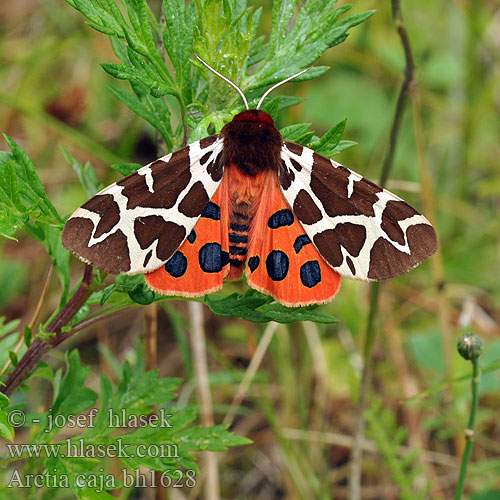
(255, 116)
(252, 142)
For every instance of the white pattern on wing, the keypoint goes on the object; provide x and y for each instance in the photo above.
(373, 224)
(148, 175)
(129, 216)
(353, 176)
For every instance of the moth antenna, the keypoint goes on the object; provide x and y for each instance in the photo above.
(227, 80)
(277, 85)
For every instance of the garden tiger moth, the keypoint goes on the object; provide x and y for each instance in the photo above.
(246, 201)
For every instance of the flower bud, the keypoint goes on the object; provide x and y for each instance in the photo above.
(470, 346)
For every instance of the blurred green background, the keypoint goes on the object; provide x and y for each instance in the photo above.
(54, 93)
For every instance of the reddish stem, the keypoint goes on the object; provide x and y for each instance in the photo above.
(39, 346)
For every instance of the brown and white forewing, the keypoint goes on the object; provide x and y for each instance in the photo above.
(135, 225)
(363, 231)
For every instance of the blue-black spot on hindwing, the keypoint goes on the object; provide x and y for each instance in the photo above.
(300, 242)
(253, 263)
(210, 257)
(177, 265)
(281, 218)
(192, 236)
(224, 258)
(277, 264)
(211, 211)
(310, 273)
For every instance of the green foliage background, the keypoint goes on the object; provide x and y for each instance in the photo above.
(54, 93)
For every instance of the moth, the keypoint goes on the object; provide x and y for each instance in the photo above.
(246, 201)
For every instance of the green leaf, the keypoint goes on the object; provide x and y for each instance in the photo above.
(315, 28)
(283, 11)
(126, 168)
(222, 38)
(71, 397)
(134, 392)
(140, 72)
(214, 438)
(4, 400)
(6, 328)
(85, 173)
(282, 314)
(141, 294)
(178, 37)
(43, 370)
(294, 132)
(218, 119)
(239, 306)
(100, 425)
(7, 343)
(101, 29)
(144, 14)
(106, 294)
(130, 290)
(303, 139)
(28, 334)
(259, 308)
(22, 196)
(341, 146)
(82, 476)
(30, 186)
(271, 106)
(6, 430)
(356, 19)
(60, 257)
(327, 144)
(149, 108)
(13, 358)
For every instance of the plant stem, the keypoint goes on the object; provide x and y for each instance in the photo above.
(406, 87)
(200, 362)
(404, 91)
(31, 324)
(39, 347)
(469, 432)
(359, 431)
(251, 371)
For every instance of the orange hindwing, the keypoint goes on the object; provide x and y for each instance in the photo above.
(282, 261)
(200, 264)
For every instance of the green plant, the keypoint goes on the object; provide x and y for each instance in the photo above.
(470, 348)
(389, 437)
(163, 441)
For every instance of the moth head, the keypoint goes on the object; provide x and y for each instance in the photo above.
(265, 115)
